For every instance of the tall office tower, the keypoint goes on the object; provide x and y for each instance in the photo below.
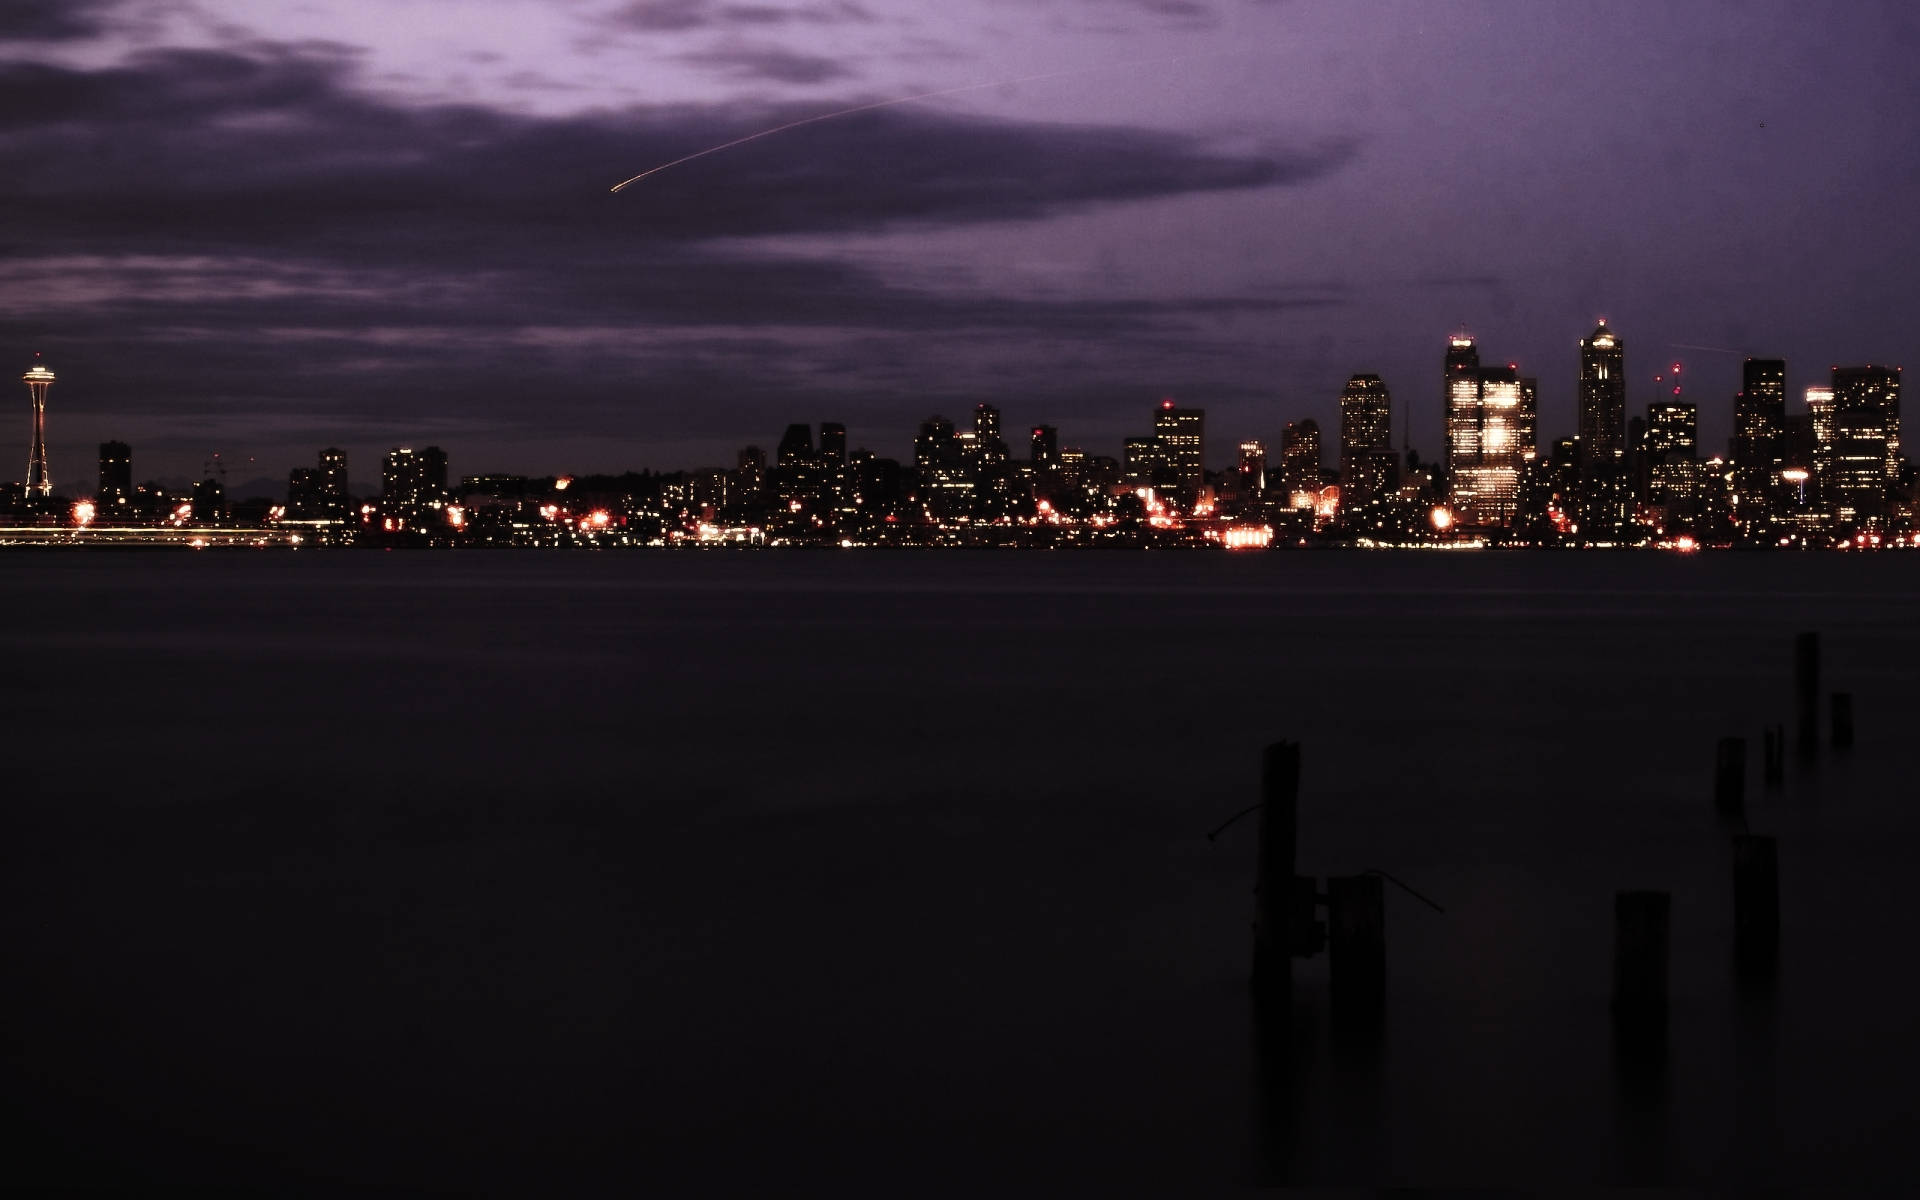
(987, 442)
(833, 444)
(303, 494)
(1877, 389)
(116, 477)
(751, 473)
(1368, 465)
(1143, 458)
(1673, 428)
(1300, 462)
(1603, 396)
(1182, 440)
(1462, 357)
(1490, 430)
(1820, 411)
(336, 498)
(39, 378)
(1759, 418)
(935, 445)
(796, 446)
(1866, 440)
(1672, 444)
(1253, 468)
(1044, 448)
(1526, 422)
(414, 479)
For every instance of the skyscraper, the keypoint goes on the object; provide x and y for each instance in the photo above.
(39, 378)
(1044, 448)
(987, 442)
(1253, 468)
(1759, 420)
(1300, 462)
(1367, 461)
(833, 445)
(414, 479)
(1491, 430)
(1866, 440)
(1603, 396)
(116, 479)
(336, 498)
(1672, 450)
(1820, 411)
(1143, 457)
(1181, 432)
(1462, 356)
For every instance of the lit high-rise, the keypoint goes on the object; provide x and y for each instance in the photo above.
(1491, 431)
(1300, 462)
(1866, 440)
(1182, 436)
(1603, 396)
(116, 479)
(1368, 467)
(1759, 422)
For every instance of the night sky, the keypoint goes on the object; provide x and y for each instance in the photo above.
(263, 226)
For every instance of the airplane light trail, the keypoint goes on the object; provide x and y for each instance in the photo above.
(860, 108)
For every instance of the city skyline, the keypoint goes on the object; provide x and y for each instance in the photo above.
(259, 232)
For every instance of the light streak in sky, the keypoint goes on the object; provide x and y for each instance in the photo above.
(860, 108)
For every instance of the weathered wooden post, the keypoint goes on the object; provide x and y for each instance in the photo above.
(1274, 883)
(1357, 950)
(1774, 758)
(1756, 905)
(1842, 720)
(1640, 923)
(1730, 777)
(1806, 689)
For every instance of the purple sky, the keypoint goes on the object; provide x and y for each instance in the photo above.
(262, 226)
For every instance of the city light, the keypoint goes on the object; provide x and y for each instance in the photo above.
(1442, 519)
(83, 513)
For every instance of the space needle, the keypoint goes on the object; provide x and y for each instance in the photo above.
(39, 378)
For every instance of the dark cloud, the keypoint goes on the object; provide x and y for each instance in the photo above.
(679, 16)
(328, 261)
(769, 63)
(52, 20)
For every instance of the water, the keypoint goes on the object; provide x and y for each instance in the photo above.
(474, 871)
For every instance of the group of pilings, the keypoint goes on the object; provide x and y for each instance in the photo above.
(1642, 918)
(1285, 903)
(1354, 933)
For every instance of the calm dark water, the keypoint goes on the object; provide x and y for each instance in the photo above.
(470, 871)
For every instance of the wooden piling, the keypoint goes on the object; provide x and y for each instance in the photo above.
(1842, 720)
(1640, 925)
(1756, 905)
(1806, 690)
(1274, 882)
(1357, 949)
(1730, 777)
(1774, 755)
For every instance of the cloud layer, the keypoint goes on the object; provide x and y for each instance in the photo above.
(325, 257)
